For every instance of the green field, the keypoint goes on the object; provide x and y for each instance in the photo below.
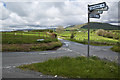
(25, 37)
(27, 41)
(82, 37)
(79, 67)
(110, 37)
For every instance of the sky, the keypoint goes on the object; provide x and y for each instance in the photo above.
(42, 14)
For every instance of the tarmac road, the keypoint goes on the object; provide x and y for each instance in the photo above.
(12, 59)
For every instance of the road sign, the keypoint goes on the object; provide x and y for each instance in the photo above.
(96, 12)
(94, 16)
(103, 9)
(96, 6)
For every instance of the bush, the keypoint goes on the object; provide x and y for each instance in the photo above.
(72, 36)
(115, 36)
(51, 31)
(101, 32)
(107, 34)
(104, 34)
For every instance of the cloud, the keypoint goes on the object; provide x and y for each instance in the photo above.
(4, 11)
(22, 15)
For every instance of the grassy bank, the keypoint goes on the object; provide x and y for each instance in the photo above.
(27, 41)
(79, 67)
(116, 48)
(94, 43)
(31, 47)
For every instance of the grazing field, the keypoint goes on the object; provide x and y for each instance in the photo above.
(108, 37)
(25, 37)
(79, 67)
(82, 36)
(27, 41)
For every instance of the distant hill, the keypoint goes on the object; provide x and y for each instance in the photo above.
(97, 25)
(73, 27)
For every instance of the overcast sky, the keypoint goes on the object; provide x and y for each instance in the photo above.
(36, 14)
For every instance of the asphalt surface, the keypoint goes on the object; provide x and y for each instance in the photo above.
(12, 59)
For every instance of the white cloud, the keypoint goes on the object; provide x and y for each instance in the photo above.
(21, 15)
(111, 14)
(4, 12)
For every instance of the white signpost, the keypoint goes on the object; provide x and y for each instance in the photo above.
(103, 9)
(94, 16)
(94, 11)
(96, 6)
(97, 12)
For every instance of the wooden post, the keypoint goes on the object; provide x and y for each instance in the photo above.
(21, 37)
(28, 35)
(43, 35)
(46, 35)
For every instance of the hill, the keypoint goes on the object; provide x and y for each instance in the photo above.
(106, 26)
(74, 27)
(95, 25)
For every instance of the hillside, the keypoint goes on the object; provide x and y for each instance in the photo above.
(75, 27)
(95, 25)
(106, 26)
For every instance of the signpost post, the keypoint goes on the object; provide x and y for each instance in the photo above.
(97, 12)
(94, 16)
(88, 31)
(94, 11)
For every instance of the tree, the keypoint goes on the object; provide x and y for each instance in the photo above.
(72, 36)
(60, 29)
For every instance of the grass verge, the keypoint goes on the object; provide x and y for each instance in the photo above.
(31, 47)
(116, 48)
(79, 67)
(92, 42)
